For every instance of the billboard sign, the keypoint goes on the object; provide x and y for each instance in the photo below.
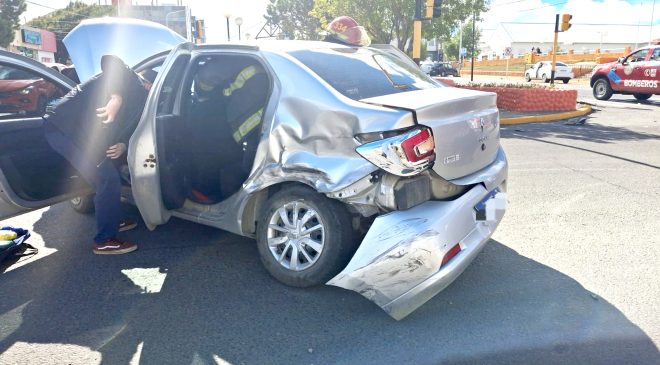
(31, 37)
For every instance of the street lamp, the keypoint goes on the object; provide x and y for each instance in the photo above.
(238, 22)
(228, 15)
(167, 16)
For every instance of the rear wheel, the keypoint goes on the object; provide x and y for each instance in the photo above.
(602, 89)
(83, 204)
(642, 96)
(304, 238)
(565, 81)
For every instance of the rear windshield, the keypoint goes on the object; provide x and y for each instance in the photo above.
(360, 73)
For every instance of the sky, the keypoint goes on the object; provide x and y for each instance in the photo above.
(583, 11)
(252, 11)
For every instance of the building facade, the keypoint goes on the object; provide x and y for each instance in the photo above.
(35, 43)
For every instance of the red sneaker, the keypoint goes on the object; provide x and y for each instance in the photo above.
(114, 246)
(126, 225)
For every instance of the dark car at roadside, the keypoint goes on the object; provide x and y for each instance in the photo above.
(443, 69)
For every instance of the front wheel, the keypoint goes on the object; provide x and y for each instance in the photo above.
(602, 89)
(642, 96)
(545, 78)
(527, 78)
(83, 204)
(304, 239)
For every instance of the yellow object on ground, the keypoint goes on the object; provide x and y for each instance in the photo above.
(6, 235)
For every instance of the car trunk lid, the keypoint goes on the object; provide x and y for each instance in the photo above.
(465, 126)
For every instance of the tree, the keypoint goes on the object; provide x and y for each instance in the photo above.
(454, 13)
(384, 20)
(10, 12)
(293, 18)
(452, 50)
(62, 21)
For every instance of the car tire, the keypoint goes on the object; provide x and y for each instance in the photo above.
(527, 78)
(443, 74)
(327, 249)
(545, 78)
(602, 89)
(642, 96)
(83, 204)
(565, 81)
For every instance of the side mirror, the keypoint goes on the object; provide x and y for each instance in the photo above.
(621, 59)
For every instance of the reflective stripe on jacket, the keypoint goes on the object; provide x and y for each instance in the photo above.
(253, 120)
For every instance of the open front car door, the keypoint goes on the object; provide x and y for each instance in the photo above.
(32, 175)
(152, 153)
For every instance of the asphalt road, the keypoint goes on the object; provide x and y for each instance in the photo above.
(570, 277)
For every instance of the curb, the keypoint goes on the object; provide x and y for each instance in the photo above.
(582, 110)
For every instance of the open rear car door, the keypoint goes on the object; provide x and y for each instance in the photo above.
(32, 175)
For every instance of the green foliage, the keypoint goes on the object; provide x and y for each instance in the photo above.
(10, 12)
(451, 47)
(384, 20)
(294, 19)
(454, 13)
(63, 20)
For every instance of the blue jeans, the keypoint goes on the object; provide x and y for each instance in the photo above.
(104, 178)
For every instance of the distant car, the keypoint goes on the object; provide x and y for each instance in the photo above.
(637, 74)
(443, 69)
(543, 70)
(23, 92)
(427, 66)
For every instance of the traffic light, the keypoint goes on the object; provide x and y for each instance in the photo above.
(565, 22)
(433, 8)
(201, 34)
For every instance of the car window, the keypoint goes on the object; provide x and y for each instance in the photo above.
(364, 72)
(656, 55)
(638, 56)
(168, 92)
(561, 64)
(24, 93)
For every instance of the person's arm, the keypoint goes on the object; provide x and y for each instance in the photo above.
(111, 109)
(115, 151)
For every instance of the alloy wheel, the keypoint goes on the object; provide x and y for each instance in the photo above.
(296, 236)
(600, 89)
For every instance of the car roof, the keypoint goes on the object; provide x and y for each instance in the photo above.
(274, 45)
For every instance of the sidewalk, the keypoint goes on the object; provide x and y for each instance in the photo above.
(510, 118)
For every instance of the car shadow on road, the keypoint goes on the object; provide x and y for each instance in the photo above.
(592, 132)
(194, 294)
(632, 101)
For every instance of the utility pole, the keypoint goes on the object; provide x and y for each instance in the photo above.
(565, 24)
(651, 28)
(474, 18)
(417, 32)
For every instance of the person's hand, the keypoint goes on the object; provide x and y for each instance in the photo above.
(110, 110)
(115, 151)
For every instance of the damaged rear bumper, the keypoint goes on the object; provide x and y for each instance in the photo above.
(399, 265)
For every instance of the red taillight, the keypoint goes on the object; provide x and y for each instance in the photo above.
(420, 146)
(451, 253)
